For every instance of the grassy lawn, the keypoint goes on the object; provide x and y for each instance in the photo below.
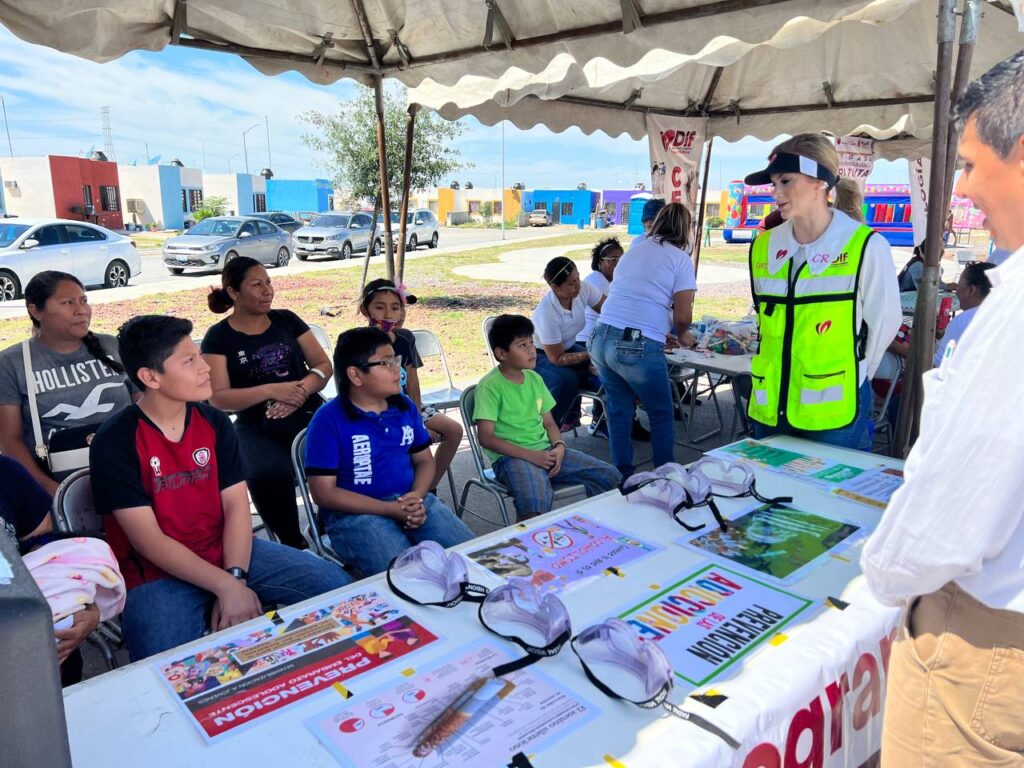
(451, 305)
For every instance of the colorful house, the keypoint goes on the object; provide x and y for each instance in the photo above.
(566, 206)
(56, 186)
(162, 195)
(455, 206)
(300, 195)
(615, 204)
(243, 192)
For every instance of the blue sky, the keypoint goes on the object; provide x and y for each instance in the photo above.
(191, 105)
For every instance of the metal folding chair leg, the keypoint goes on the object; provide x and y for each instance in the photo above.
(97, 639)
(499, 497)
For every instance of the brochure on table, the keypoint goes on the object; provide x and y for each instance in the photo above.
(707, 620)
(383, 728)
(564, 554)
(775, 540)
(237, 681)
(873, 488)
(811, 469)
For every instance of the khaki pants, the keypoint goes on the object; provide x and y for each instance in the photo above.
(955, 692)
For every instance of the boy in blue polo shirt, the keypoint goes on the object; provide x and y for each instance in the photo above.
(367, 460)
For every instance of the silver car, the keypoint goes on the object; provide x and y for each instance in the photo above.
(334, 235)
(214, 242)
(420, 228)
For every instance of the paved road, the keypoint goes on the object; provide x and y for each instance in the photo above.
(156, 279)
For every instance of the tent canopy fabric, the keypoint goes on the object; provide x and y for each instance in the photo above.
(756, 67)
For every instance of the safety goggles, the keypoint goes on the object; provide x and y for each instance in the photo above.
(538, 622)
(624, 666)
(672, 487)
(732, 479)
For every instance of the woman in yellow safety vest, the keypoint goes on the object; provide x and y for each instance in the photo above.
(827, 302)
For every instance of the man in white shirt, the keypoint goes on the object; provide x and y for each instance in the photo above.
(950, 546)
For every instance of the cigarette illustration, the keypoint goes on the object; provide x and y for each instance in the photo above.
(472, 703)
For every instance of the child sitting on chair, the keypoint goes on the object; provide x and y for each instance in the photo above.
(513, 418)
(368, 462)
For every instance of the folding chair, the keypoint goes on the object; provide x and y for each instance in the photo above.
(445, 398)
(74, 511)
(330, 391)
(889, 369)
(485, 479)
(314, 530)
(485, 328)
(742, 386)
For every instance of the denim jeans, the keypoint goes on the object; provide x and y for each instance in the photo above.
(564, 382)
(532, 487)
(370, 542)
(858, 435)
(160, 615)
(631, 370)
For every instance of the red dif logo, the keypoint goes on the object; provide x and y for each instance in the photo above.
(678, 140)
(822, 328)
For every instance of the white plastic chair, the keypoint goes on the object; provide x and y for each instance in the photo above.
(428, 345)
(485, 328)
(485, 479)
(330, 390)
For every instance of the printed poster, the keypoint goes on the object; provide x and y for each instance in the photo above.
(676, 145)
(237, 681)
(708, 620)
(856, 158)
(382, 729)
(775, 540)
(872, 488)
(563, 554)
(799, 466)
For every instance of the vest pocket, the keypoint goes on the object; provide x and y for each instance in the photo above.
(764, 396)
(822, 388)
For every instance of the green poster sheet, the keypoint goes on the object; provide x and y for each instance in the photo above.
(776, 540)
(811, 469)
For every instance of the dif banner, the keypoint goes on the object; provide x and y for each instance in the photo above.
(676, 145)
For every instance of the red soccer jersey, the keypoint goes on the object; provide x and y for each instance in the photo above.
(133, 464)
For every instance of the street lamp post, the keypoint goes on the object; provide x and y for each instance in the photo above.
(245, 149)
(229, 161)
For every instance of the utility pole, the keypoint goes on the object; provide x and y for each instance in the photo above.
(245, 149)
(3, 107)
(204, 154)
(502, 192)
(108, 139)
(266, 124)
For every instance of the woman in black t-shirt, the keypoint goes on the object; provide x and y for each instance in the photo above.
(266, 366)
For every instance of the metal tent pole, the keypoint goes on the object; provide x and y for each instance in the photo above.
(410, 135)
(700, 213)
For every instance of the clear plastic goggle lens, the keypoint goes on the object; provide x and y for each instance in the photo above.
(634, 668)
(726, 478)
(519, 609)
(429, 574)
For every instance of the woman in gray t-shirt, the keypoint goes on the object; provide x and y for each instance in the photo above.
(77, 375)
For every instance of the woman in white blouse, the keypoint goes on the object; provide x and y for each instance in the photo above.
(562, 361)
(603, 260)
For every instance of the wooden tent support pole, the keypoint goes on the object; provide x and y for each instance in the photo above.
(382, 157)
(700, 209)
(410, 134)
(922, 341)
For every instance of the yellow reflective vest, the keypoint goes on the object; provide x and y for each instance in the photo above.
(805, 373)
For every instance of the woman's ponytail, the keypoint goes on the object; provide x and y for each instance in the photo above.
(849, 199)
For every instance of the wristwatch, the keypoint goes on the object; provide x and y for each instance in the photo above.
(238, 573)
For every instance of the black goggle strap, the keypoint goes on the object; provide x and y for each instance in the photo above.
(689, 503)
(752, 491)
(473, 593)
(534, 653)
(660, 699)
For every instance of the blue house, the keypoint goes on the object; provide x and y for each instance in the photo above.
(566, 206)
(294, 195)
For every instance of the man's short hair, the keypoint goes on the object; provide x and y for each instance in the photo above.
(996, 102)
(355, 347)
(506, 329)
(147, 341)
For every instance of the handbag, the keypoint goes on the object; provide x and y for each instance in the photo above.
(291, 425)
(67, 449)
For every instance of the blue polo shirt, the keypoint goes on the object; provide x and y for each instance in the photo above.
(369, 453)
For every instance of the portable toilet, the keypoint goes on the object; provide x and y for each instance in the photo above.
(636, 211)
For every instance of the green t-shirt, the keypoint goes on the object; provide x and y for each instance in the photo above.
(517, 410)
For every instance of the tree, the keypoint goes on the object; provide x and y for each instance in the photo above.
(348, 140)
(211, 206)
(487, 210)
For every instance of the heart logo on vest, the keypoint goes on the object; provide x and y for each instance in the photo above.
(780, 255)
(201, 456)
(822, 328)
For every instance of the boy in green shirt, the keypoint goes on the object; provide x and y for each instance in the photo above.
(517, 432)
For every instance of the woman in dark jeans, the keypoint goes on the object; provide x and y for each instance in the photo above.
(266, 366)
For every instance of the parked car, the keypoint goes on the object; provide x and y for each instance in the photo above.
(93, 254)
(334, 235)
(420, 228)
(283, 220)
(540, 218)
(215, 241)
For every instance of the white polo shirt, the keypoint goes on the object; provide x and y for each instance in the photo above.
(554, 324)
(599, 281)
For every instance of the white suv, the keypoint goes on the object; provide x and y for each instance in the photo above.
(420, 228)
